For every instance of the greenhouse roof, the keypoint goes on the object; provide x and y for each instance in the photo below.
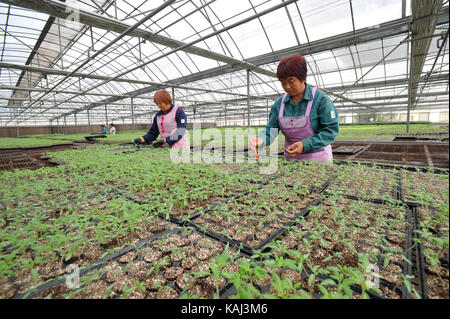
(79, 61)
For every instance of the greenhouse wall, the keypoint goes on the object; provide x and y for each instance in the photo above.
(14, 131)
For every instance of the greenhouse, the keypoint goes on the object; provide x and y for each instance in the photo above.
(213, 149)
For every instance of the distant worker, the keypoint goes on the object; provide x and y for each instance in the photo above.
(103, 129)
(170, 123)
(305, 115)
(112, 129)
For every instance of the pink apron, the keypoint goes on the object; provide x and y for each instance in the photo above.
(296, 128)
(167, 125)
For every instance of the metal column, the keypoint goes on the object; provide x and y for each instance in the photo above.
(411, 44)
(106, 116)
(248, 99)
(225, 115)
(132, 115)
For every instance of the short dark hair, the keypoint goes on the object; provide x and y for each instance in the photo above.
(293, 65)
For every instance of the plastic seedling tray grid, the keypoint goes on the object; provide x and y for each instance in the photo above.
(405, 265)
(252, 250)
(413, 201)
(138, 252)
(422, 274)
(392, 195)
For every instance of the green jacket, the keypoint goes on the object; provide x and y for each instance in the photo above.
(324, 119)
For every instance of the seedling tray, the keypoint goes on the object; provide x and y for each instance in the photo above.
(133, 263)
(311, 189)
(350, 150)
(184, 220)
(392, 195)
(95, 265)
(92, 138)
(405, 266)
(262, 246)
(418, 203)
(429, 282)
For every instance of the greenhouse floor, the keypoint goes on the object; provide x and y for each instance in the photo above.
(115, 222)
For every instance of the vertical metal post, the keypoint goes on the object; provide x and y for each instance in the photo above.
(89, 119)
(248, 100)
(267, 110)
(106, 116)
(411, 45)
(65, 125)
(75, 118)
(173, 95)
(132, 115)
(225, 115)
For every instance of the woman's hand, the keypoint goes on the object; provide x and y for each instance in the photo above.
(255, 142)
(295, 149)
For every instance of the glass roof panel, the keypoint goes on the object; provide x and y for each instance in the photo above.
(336, 13)
(369, 13)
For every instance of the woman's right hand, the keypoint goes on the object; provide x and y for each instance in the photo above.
(255, 142)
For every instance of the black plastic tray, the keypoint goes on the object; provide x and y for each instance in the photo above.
(252, 250)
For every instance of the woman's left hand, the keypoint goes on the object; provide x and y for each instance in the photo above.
(295, 149)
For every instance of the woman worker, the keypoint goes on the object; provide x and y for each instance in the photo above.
(170, 122)
(306, 116)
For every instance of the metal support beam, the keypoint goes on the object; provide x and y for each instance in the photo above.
(115, 40)
(132, 115)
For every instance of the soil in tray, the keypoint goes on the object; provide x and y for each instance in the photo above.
(186, 201)
(312, 176)
(253, 218)
(350, 234)
(169, 267)
(243, 171)
(364, 182)
(433, 235)
(75, 237)
(286, 277)
(425, 188)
